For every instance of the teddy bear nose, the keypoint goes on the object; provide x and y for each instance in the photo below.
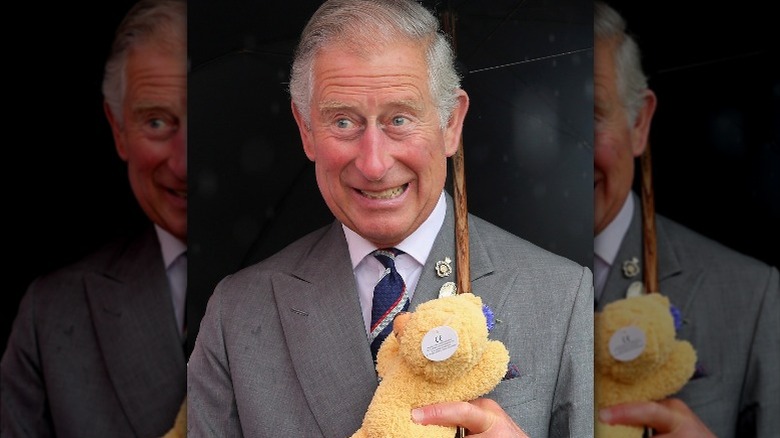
(400, 322)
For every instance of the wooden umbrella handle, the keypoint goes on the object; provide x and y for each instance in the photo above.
(463, 272)
(650, 255)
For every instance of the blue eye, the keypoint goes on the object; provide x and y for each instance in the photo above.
(399, 121)
(159, 128)
(343, 123)
(157, 123)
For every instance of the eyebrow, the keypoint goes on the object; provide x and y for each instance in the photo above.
(332, 105)
(145, 107)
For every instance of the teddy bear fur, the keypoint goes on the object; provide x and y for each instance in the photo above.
(409, 380)
(662, 369)
(179, 429)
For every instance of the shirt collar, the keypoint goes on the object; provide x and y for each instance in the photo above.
(607, 243)
(170, 245)
(418, 244)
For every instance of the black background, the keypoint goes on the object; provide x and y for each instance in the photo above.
(715, 138)
(68, 189)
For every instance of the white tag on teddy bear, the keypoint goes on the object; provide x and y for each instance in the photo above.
(440, 343)
(627, 343)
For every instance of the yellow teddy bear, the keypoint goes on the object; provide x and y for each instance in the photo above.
(438, 353)
(637, 357)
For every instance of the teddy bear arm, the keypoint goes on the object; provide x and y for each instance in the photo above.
(485, 375)
(390, 414)
(676, 372)
(668, 379)
(604, 430)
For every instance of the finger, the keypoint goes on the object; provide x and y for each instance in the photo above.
(467, 415)
(655, 415)
(677, 405)
(691, 422)
(488, 405)
(502, 425)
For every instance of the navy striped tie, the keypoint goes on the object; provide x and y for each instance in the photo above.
(390, 298)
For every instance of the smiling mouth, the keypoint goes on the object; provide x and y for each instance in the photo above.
(385, 194)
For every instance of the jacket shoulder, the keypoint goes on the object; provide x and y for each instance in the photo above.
(508, 248)
(696, 248)
(286, 260)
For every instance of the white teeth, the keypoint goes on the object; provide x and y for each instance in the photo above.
(385, 194)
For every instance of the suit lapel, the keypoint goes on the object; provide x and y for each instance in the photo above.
(430, 283)
(675, 283)
(135, 326)
(444, 246)
(680, 285)
(323, 327)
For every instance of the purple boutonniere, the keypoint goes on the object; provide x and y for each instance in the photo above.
(490, 318)
(699, 371)
(677, 316)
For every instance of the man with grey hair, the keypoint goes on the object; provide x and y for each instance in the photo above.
(730, 303)
(97, 346)
(285, 347)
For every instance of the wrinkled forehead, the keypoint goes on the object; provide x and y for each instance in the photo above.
(366, 39)
(169, 39)
(388, 63)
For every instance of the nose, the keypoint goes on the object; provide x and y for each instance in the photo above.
(374, 159)
(178, 159)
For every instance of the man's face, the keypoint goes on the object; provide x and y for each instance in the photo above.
(152, 135)
(617, 142)
(380, 153)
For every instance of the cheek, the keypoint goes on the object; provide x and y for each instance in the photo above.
(145, 156)
(606, 153)
(426, 155)
(332, 156)
(333, 161)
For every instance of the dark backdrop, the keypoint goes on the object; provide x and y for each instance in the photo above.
(66, 188)
(715, 137)
(528, 135)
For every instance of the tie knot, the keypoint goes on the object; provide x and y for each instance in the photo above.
(387, 256)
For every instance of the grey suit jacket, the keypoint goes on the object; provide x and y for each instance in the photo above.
(283, 352)
(730, 306)
(95, 351)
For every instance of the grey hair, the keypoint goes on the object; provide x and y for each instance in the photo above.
(364, 27)
(632, 81)
(163, 22)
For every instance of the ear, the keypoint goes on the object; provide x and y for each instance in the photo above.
(305, 131)
(116, 131)
(454, 128)
(641, 129)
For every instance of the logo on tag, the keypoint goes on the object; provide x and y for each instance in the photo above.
(440, 343)
(627, 344)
